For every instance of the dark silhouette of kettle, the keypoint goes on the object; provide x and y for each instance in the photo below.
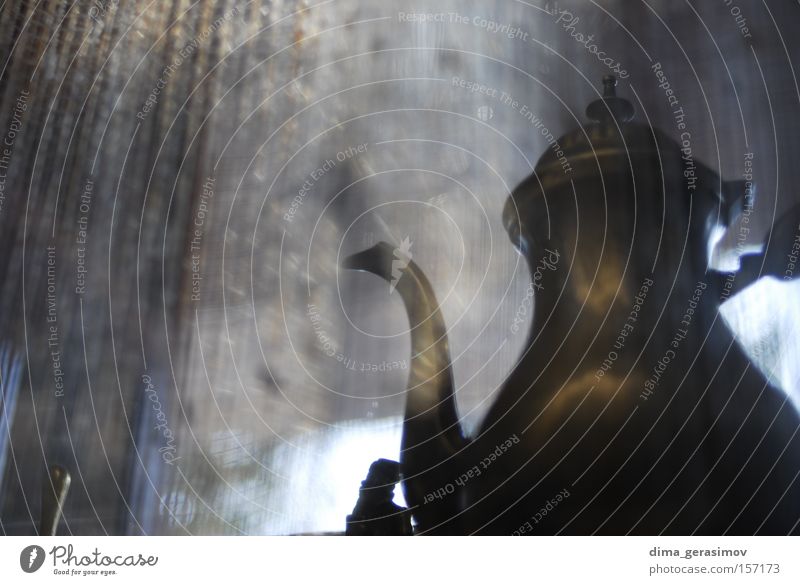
(632, 409)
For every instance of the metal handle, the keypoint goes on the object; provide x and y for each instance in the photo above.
(54, 493)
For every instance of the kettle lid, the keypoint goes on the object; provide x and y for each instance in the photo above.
(612, 133)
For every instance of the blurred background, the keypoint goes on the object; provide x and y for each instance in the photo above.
(181, 178)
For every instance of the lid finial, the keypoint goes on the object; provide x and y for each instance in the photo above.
(610, 107)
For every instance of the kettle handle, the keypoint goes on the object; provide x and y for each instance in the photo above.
(778, 257)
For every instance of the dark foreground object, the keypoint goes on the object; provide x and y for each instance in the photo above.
(375, 514)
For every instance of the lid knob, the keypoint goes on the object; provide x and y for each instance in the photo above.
(610, 107)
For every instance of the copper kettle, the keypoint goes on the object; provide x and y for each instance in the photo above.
(633, 409)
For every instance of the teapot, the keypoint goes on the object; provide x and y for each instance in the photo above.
(632, 409)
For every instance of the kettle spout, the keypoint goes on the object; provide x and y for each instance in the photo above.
(432, 437)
